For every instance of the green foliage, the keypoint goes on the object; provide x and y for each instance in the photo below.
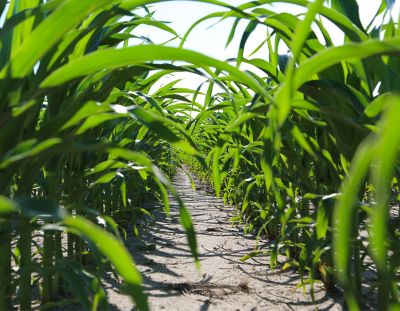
(284, 159)
(84, 141)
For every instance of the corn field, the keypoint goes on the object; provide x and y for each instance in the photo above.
(304, 146)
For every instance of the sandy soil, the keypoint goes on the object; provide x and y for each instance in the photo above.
(224, 282)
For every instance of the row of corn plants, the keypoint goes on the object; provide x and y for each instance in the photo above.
(68, 166)
(308, 153)
(313, 164)
(84, 142)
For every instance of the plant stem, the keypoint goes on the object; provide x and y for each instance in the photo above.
(25, 265)
(58, 256)
(5, 265)
(48, 251)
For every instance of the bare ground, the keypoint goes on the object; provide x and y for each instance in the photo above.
(224, 282)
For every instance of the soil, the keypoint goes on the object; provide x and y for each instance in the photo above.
(224, 282)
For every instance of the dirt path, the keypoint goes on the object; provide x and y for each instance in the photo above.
(224, 282)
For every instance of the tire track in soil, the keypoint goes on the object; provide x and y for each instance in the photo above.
(224, 282)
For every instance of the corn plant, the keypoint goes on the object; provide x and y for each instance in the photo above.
(282, 158)
(83, 138)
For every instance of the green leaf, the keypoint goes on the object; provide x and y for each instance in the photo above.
(187, 224)
(135, 55)
(134, 156)
(377, 105)
(322, 223)
(49, 32)
(7, 205)
(109, 246)
(384, 161)
(88, 109)
(243, 117)
(350, 9)
(164, 197)
(335, 55)
(298, 135)
(105, 179)
(285, 93)
(43, 208)
(345, 215)
(247, 32)
(156, 123)
(28, 149)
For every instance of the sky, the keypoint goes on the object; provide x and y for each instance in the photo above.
(210, 37)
